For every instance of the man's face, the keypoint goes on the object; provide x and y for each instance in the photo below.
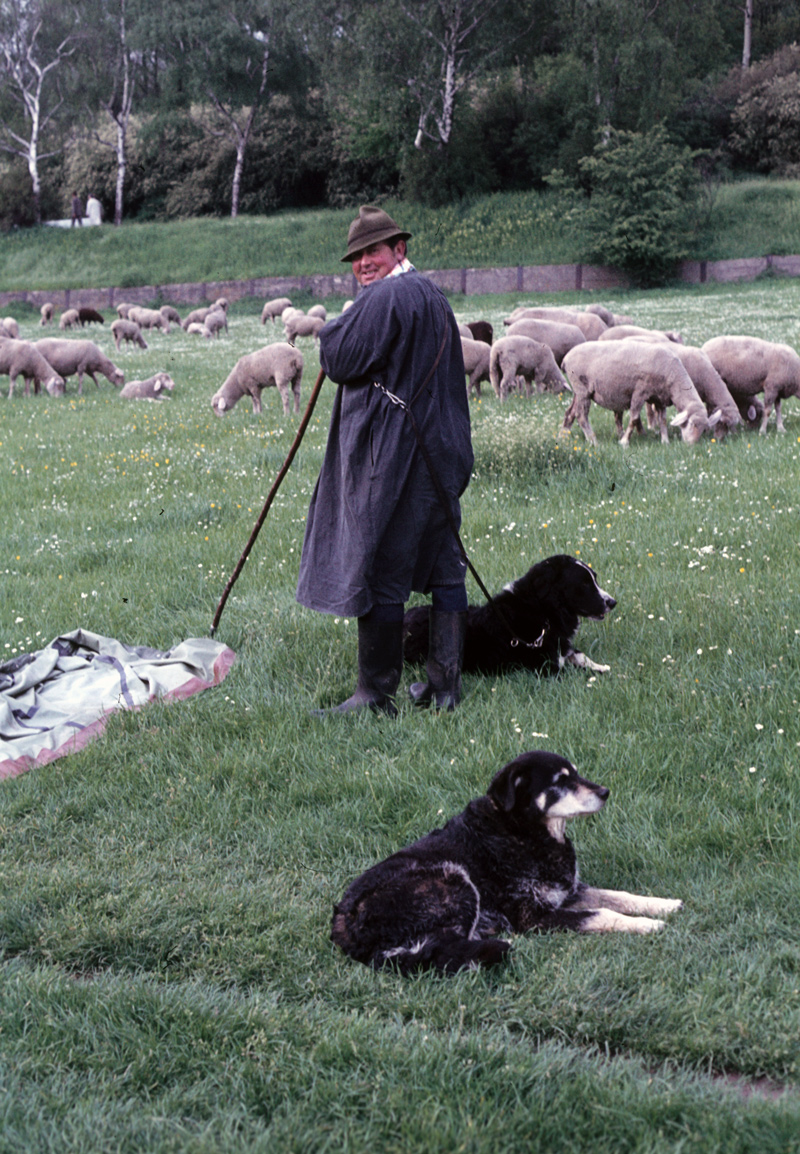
(377, 261)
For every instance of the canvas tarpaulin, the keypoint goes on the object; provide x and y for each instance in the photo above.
(55, 700)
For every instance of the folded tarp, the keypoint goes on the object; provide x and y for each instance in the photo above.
(55, 700)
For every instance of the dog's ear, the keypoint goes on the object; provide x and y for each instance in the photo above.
(504, 785)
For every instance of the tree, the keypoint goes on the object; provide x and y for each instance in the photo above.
(33, 45)
(643, 203)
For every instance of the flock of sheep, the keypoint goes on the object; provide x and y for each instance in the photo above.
(620, 366)
(596, 356)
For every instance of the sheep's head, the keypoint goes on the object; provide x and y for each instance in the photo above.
(164, 381)
(219, 404)
(117, 377)
(691, 424)
(56, 386)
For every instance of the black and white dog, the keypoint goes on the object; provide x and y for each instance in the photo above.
(503, 865)
(542, 609)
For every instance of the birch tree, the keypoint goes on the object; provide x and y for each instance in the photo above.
(33, 46)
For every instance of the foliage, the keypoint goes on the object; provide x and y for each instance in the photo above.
(643, 203)
(766, 119)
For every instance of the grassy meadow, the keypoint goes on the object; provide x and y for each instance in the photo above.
(167, 981)
(748, 218)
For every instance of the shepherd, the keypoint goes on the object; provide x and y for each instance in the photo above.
(379, 524)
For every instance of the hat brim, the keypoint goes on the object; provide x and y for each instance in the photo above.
(381, 234)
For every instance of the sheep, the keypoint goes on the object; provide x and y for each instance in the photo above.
(273, 309)
(560, 337)
(280, 365)
(302, 326)
(464, 331)
(89, 316)
(709, 384)
(221, 303)
(69, 319)
(214, 322)
(195, 328)
(481, 331)
(125, 330)
(150, 390)
(71, 357)
(590, 325)
(750, 365)
(348, 304)
(122, 309)
(318, 311)
(290, 311)
(46, 311)
(476, 363)
(21, 358)
(620, 375)
(622, 332)
(148, 318)
(520, 356)
(606, 316)
(196, 316)
(10, 327)
(751, 410)
(170, 314)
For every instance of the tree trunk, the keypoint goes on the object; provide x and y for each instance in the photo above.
(748, 33)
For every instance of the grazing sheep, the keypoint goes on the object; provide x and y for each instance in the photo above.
(751, 410)
(750, 365)
(23, 359)
(89, 316)
(606, 316)
(520, 356)
(198, 329)
(620, 375)
(590, 325)
(273, 309)
(70, 319)
(71, 357)
(215, 322)
(196, 317)
(170, 314)
(291, 311)
(318, 311)
(481, 331)
(47, 311)
(558, 336)
(150, 390)
(476, 363)
(622, 332)
(122, 309)
(280, 365)
(709, 384)
(302, 326)
(10, 327)
(148, 318)
(125, 330)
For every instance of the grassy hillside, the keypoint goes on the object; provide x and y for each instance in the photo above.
(752, 218)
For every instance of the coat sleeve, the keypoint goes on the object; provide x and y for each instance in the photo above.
(355, 347)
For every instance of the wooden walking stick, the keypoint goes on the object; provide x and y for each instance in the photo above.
(284, 469)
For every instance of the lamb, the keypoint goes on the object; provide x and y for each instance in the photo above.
(46, 311)
(560, 337)
(750, 365)
(710, 385)
(70, 319)
(23, 359)
(170, 314)
(318, 311)
(302, 326)
(10, 328)
(148, 318)
(150, 390)
(622, 332)
(273, 309)
(620, 375)
(89, 316)
(71, 357)
(481, 331)
(476, 363)
(520, 356)
(214, 322)
(125, 330)
(590, 325)
(279, 364)
(195, 328)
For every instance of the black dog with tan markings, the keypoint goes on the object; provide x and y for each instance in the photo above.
(542, 612)
(504, 865)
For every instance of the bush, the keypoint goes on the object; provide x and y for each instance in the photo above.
(766, 119)
(644, 203)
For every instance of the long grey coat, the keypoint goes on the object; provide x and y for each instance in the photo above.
(375, 528)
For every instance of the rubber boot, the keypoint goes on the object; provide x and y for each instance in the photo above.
(380, 664)
(442, 690)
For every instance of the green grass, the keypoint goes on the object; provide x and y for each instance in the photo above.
(167, 981)
(749, 218)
